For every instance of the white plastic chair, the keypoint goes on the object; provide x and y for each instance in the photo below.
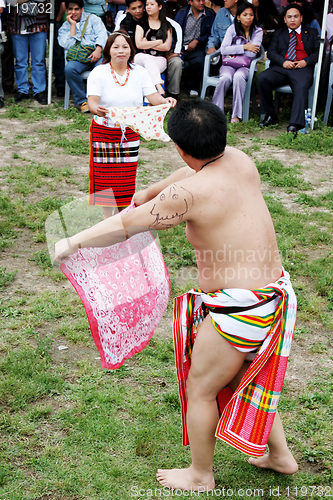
(329, 94)
(286, 89)
(212, 81)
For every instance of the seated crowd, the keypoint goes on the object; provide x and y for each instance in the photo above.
(171, 49)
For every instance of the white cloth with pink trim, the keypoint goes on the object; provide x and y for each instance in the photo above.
(145, 120)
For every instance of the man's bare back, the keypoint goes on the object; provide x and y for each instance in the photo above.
(227, 222)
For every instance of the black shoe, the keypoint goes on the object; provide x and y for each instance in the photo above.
(60, 91)
(292, 129)
(41, 98)
(1, 103)
(269, 120)
(19, 97)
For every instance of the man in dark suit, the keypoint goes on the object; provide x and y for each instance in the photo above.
(196, 22)
(293, 53)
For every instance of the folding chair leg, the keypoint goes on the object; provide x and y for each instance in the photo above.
(67, 93)
(328, 103)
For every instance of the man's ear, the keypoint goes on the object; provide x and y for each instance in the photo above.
(182, 153)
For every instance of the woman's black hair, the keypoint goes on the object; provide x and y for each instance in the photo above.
(199, 128)
(266, 8)
(110, 42)
(162, 17)
(238, 26)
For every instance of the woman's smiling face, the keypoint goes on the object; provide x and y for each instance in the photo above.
(120, 50)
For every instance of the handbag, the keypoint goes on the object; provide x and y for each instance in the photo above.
(237, 61)
(108, 20)
(79, 52)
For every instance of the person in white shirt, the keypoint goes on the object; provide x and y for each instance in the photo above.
(114, 151)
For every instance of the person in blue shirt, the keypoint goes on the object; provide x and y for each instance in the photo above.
(69, 33)
(224, 18)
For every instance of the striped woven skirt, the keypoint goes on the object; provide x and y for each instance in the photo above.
(112, 165)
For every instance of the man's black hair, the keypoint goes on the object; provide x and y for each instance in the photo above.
(79, 3)
(220, 3)
(294, 6)
(129, 2)
(199, 128)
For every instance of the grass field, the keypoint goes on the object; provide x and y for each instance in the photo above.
(72, 431)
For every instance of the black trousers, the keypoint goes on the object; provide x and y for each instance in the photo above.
(193, 68)
(300, 80)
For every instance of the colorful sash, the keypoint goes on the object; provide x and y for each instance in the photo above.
(247, 415)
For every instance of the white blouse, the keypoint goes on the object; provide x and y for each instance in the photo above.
(101, 83)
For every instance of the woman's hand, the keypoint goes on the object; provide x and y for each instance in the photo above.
(94, 106)
(251, 47)
(157, 99)
(172, 101)
(101, 111)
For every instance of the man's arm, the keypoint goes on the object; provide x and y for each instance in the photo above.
(206, 27)
(273, 52)
(150, 192)
(65, 39)
(99, 30)
(313, 43)
(217, 33)
(170, 207)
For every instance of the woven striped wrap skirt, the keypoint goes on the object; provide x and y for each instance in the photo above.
(112, 165)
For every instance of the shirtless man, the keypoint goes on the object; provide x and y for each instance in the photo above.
(218, 195)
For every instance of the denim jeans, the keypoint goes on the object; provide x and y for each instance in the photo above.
(73, 71)
(37, 44)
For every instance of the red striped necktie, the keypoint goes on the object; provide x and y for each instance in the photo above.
(291, 54)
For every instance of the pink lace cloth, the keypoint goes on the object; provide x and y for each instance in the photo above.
(125, 291)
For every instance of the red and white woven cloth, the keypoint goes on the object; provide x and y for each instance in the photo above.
(247, 415)
(125, 291)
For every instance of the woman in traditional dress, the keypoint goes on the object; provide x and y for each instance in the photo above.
(117, 82)
(243, 38)
(154, 38)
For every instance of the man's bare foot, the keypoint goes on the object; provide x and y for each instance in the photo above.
(286, 464)
(185, 479)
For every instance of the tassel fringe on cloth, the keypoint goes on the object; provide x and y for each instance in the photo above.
(247, 415)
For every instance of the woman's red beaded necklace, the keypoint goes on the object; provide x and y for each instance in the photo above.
(113, 73)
